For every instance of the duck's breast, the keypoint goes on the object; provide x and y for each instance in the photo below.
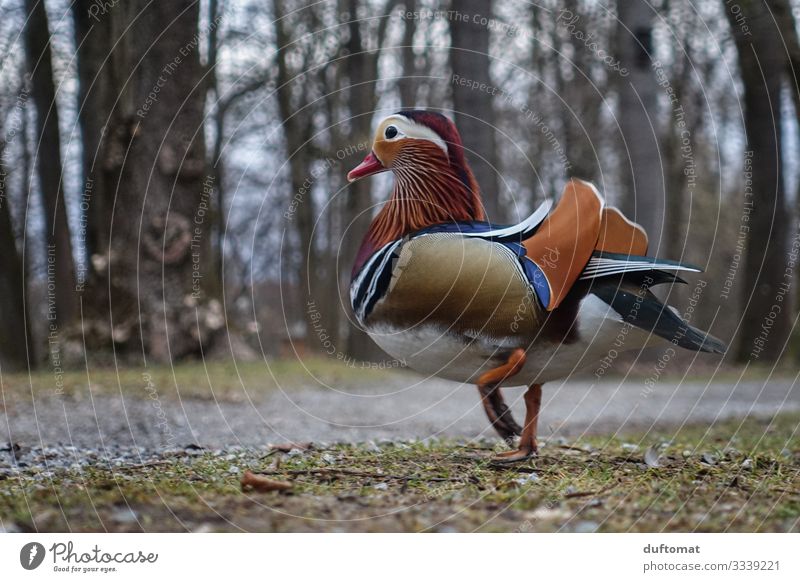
(464, 286)
(454, 307)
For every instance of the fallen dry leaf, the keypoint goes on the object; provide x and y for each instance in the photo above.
(251, 481)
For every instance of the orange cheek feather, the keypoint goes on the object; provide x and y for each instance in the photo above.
(387, 151)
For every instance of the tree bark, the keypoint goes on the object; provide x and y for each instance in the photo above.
(766, 321)
(674, 238)
(408, 84)
(353, 83)
(157, 287)
(97, 78)
(362, 71)
(296, 119)
(782, 9)
(581, 112)
(63, 310)
(217, 165)
(474, 109)
(13, 349)
(644, 197)
(783, 13)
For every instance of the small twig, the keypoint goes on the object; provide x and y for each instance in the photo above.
(521, 468)
(571, 448)
(589, 493)
(145, 465)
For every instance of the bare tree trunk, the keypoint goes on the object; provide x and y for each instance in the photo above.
(783, 13)
(13, 351)
(766, 319)
(59, 259)
(297, 131)
(674, 226)
(408, 84)
(26, 167)
(222, 104)
(362, 70)
(642, 170)
(353, 83)
(157, 288)
(581, 112)
(788, 30)
(217, 169)
(542, 65)
(474, 109)
(674, 148)
(95, 98)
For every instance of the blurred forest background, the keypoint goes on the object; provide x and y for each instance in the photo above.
(172, 174)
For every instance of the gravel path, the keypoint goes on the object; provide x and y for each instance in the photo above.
(402, 407)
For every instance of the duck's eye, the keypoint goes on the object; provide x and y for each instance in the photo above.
(390, 132)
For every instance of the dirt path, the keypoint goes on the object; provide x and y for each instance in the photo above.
(401, 407)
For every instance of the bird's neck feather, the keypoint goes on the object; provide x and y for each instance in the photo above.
(430, 190)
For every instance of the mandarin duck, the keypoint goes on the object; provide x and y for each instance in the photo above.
(454, 296)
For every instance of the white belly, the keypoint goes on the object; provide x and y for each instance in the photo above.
(430, 350)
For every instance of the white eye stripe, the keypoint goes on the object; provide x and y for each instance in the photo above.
(412, 130)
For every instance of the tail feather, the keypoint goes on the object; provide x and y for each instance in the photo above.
(643, 310)
(644, 279)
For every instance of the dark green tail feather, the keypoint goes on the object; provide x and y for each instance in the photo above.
(653, 316)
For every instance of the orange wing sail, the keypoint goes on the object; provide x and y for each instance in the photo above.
(620, 235)
(567, 238)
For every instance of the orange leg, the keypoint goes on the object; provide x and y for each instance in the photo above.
(527, 441)
(492, 399)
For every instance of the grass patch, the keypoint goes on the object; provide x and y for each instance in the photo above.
(226, 380)
(730, 477)
(221, 379)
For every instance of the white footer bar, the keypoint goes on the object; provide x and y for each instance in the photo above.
(389, 557)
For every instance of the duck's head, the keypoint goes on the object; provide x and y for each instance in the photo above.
(433, 183)
(414, 142)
